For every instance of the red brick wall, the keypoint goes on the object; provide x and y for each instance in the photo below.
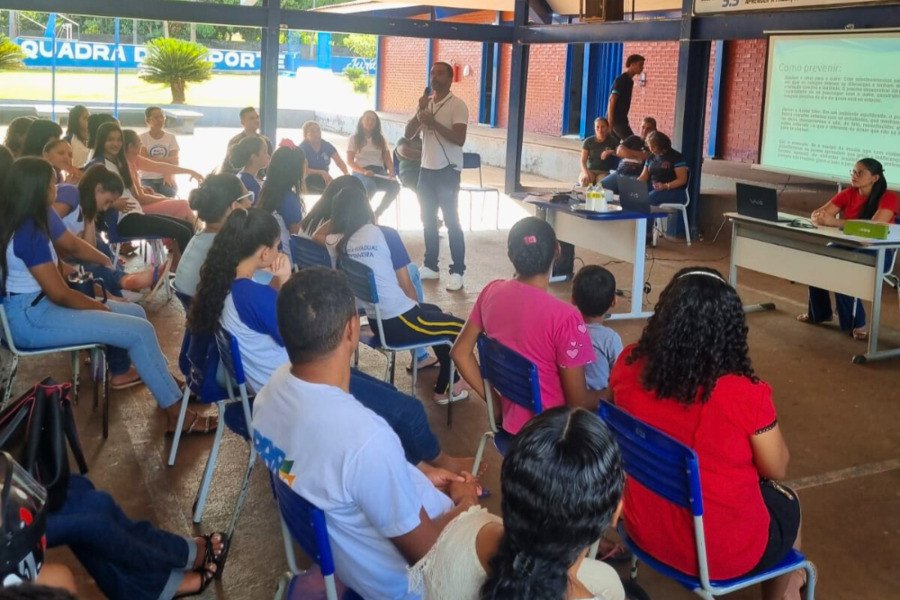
(657, 98)
(503, 86)
(403, 75)
(742, 78)
(463, 54)
(546, 82)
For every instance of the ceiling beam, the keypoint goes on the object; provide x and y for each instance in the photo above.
(539, 11)
(613, 31)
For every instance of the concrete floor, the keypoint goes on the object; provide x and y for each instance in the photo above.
(836, 417)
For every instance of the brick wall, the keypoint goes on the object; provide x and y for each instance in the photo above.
(742, 78)
(463, 54)
(657, 98)
(403, 73)
(546, 82)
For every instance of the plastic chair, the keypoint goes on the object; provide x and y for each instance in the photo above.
(472, 160)
(362, 282)
(671, 470)
(153, 252)
(515, 378)
(674, 207)
(99, 371)
(306, 252)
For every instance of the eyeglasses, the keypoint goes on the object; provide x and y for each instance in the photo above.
(248, 196)
(857, 172)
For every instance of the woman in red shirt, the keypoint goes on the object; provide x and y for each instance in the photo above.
(867, 198)
(690, 376)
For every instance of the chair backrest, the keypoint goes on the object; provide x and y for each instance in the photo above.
(659, 462)
(510, 373)
(308, 253)
(184, 299)
(361, 279)
(230, 355)
(5, 333)
(306, 522)
(471, 160)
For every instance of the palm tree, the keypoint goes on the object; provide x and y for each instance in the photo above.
(175, 63)
(11, 55)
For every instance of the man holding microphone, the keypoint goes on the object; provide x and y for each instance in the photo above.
(443, 119)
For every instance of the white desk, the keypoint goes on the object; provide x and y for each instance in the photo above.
(824, 257)
(620, 235)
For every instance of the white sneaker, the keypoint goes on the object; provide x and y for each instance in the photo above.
(444, 399)
(424, 362)
(456, 282)
(426, 273)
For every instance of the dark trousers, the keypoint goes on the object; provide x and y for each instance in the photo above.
(439, 189)
(136, 225)
(315, 184)
(423, 323)
(390, 187)
(127, 559)
(403, 413)
(819, 309)
(622, 129)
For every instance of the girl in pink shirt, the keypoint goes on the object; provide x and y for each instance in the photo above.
(520, 314)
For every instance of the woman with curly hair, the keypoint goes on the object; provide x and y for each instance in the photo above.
(562, 486)
(690, 376)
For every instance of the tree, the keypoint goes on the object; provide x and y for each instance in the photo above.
(361, 44)
(175, 63)
(11, 55)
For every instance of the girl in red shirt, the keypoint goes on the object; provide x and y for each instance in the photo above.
(690, 376)
(867, 198)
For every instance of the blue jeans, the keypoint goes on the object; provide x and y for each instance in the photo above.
(127, 559)
(403, 413)
(422, 353)
(160, 187)
(439, 190)
(390, 188)
(110, 277)
(125, 329)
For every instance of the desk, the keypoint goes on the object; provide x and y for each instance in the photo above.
(823, 257)
(621, 235)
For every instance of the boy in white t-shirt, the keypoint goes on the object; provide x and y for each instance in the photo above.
(383, 514)
(159, 145)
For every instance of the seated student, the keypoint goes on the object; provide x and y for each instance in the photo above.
(383, 514)
(648, 126)
(58, 153)
(94, 122)
(555, 338)
(246, 159)
(690, 376)
(44, 312)
(562, 485)
(594, 293)
(39, 133)
(319, 154)
(665, 171)
(632, 157)
(98, 191)
(109, 151)
(322, 210)
(598, 153)
(15, 134)
(153, 203)
(217, 196)
(409, 159)
(353, 233)
(280, 194)
(867, 198)
(228, 296)
(161, 146)
(132, 559)
(370, 160)
(77, 134)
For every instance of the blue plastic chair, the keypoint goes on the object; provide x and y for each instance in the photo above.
(153, 252)
(472, 160)
(306, 252)
(671, 470)
(362, 282)
(515, 378)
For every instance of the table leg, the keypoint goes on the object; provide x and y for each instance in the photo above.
(637, 276)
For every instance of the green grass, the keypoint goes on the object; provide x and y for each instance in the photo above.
(222, 90)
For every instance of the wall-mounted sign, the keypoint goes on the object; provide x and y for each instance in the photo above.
(727, 6)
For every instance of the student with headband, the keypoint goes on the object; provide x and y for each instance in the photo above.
(690, 376)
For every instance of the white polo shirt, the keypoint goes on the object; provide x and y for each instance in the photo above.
(158, 149)
(438, 151)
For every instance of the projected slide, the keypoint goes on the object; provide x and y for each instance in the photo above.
(832, 99)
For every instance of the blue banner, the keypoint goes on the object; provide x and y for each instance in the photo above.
(99, 55)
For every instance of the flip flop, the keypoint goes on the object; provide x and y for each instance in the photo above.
(219, 560)
(860, 333)
(127, 384)
(199, 425)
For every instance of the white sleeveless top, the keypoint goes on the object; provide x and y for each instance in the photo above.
(451, 569)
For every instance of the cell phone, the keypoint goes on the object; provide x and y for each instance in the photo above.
(427, 91)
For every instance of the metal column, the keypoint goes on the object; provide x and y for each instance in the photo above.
(518, 84)
(268, 71)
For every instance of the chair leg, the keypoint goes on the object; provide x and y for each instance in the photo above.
(74, 356)
(289, 553)
(179, 425)
(284, 582)
(242, 497)
(10, 378)
(810, 580)
(687, 227)
(480, 452)
(203, 490)
(415, 372)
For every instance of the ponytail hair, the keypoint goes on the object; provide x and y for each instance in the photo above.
(350, 213)
(878, 188)
(239, 154)
(323, 209)
(562, 480)
(212, 198)
(284, 175)
(531, 246)
(96, 175)
(244, 232)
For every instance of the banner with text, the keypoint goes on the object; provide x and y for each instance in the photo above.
(832, 99)
(722, 6)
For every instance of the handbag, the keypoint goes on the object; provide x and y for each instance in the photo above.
(36, 430)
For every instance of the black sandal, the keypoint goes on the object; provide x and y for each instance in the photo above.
(207, 576)
(210, 556)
